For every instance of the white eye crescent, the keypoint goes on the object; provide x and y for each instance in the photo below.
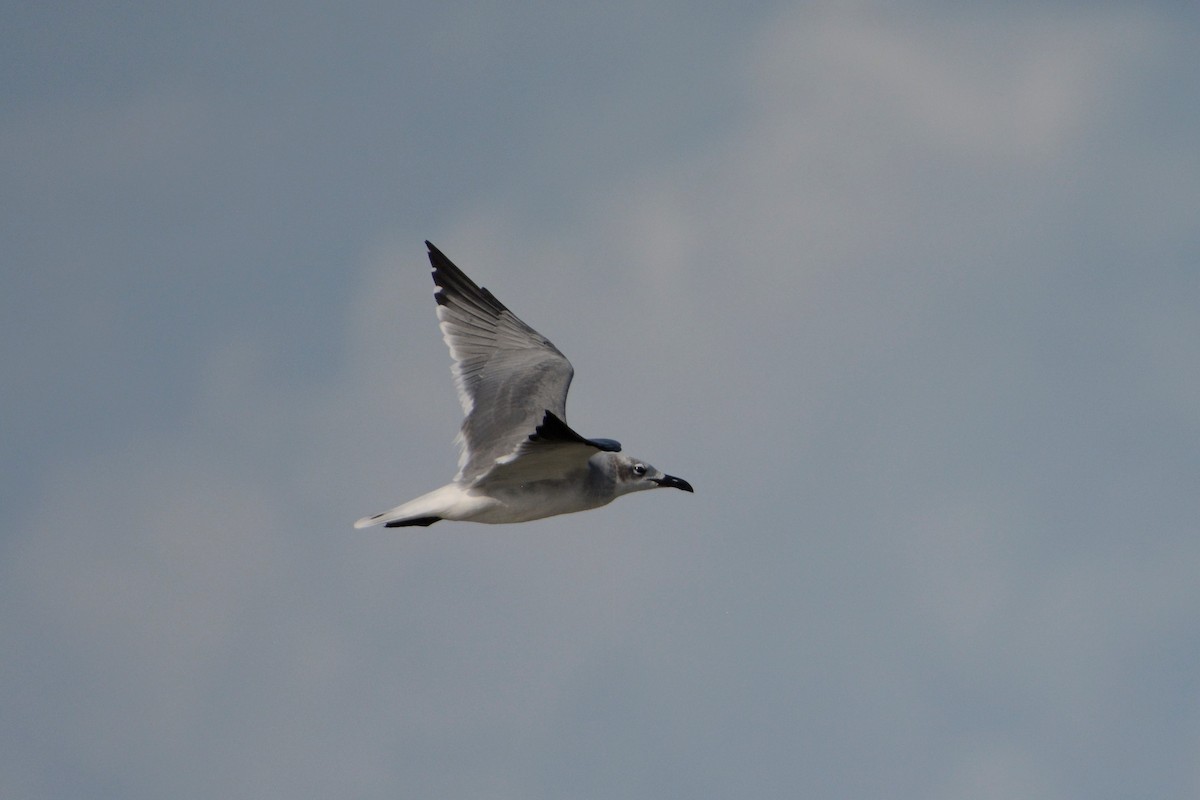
(639, 469)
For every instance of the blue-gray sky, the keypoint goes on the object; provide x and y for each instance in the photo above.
(909, 292)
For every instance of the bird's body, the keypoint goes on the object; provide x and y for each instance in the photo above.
(520, 461)
(578, 490)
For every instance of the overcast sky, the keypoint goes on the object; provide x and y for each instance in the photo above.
(910, 292)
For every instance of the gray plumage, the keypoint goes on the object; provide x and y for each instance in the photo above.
(519, 459)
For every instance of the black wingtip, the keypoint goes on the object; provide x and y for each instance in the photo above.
(435, 255)
(451, 281)
(422, 522)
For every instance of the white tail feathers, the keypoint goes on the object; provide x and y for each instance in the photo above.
(449, 502)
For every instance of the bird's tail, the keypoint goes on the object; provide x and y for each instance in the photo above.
(423, 511)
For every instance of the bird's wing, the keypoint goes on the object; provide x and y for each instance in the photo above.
(508, 375)
(553, 451)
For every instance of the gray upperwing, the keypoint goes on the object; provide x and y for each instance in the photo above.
(552, 452)
(507, 374)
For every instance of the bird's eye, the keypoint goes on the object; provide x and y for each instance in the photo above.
(639, 469)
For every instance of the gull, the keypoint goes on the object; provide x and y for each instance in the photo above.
(519, 460)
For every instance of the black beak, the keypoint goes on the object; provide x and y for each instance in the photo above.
(674, 483)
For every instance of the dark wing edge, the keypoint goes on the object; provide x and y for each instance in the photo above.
(447, 277)
(554, 431)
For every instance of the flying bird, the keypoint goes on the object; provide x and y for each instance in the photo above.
(519, 459)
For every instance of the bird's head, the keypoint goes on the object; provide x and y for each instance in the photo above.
(633, 475)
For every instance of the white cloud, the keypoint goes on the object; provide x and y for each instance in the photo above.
(996, 770)
(985, 85)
